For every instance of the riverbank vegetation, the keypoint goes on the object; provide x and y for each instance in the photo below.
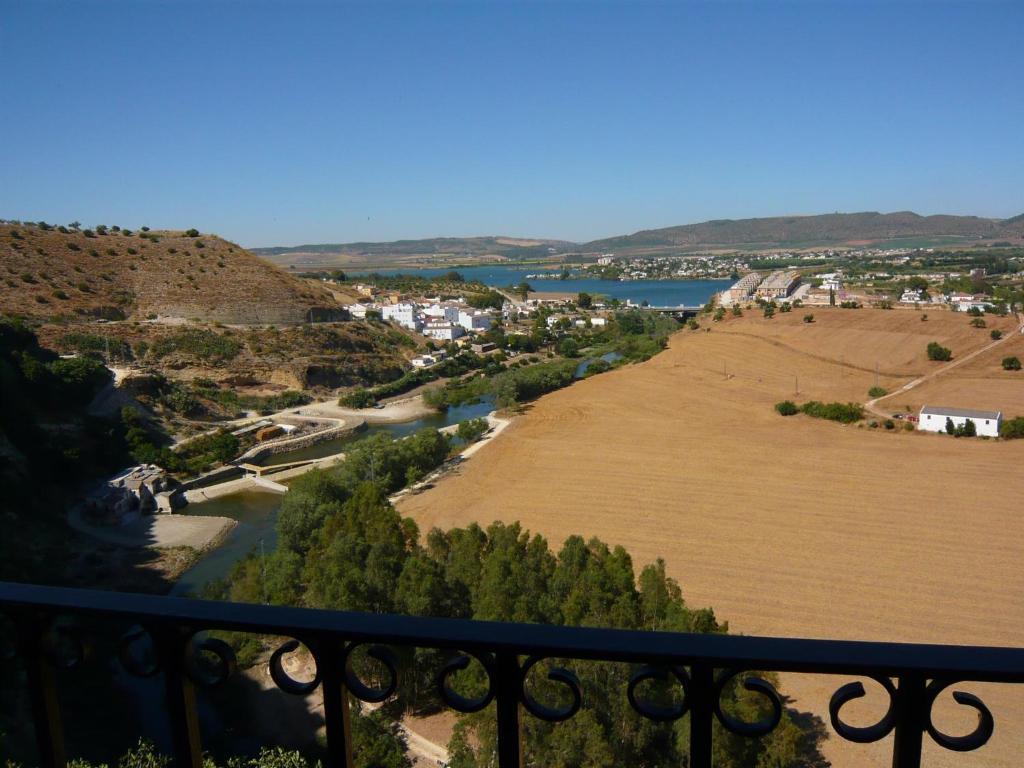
(341, 545)
(631, 336)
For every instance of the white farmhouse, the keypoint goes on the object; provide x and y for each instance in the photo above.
(933, 419)
(403, 314)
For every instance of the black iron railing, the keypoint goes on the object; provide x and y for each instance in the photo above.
(702, 665)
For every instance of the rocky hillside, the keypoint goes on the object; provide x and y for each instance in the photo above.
(59, 274)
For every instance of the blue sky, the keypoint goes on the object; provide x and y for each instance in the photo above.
(290, 122)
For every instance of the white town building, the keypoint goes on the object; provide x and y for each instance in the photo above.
(447, 312)
(473, 320)
(933, 419)
(402, 313)
(443, 331)
(359, 310)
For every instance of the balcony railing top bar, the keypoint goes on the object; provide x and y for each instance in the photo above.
(978, 663)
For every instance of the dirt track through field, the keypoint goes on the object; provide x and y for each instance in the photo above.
(785, 526)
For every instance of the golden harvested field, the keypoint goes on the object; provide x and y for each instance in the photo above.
(785, 526)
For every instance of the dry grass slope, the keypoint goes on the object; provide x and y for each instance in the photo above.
(785, 526)
(46, 275)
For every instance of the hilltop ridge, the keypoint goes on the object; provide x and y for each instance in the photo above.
(823, 230)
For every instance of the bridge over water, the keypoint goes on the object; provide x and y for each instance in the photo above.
(682, 311)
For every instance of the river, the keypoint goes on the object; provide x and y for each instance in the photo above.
(256, 511)
(658, 293)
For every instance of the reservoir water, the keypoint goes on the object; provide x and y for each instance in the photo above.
(657, 293)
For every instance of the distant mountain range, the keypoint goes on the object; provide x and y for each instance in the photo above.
(826, 230)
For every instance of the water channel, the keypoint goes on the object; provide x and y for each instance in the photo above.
(256, 511)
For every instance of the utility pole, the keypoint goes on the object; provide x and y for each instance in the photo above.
(876, 373)
(796, 382)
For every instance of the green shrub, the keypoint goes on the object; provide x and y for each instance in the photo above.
(192, 233)
(1012, 429)
(938, 352)
(1011, 363)
(471, 430)
(808, 318)
(357, 398)
(995, 335)
(978, 322)
(877, 392)
(889, 424)
(205, 345)
(787, 408)
(846, 413)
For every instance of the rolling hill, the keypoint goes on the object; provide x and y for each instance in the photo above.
(824, 230)
(424, 251)
(63, 276)
(827, 230)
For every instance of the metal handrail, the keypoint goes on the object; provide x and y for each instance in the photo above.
(912, 674)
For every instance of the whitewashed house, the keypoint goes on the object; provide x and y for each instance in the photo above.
(474, 320)
(447, 312)
(358, 310)
(933, 419)
(403, 314)
(429, 359)
(443, 331)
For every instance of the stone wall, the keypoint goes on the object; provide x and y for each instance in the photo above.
(261, 452)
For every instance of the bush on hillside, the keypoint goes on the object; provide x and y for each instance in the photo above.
(877, 392)
(938, 352)
(787, 408)
(1011, 363)
(995, 335)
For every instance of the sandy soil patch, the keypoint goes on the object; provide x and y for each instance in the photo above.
(785, 526)
(394, 411)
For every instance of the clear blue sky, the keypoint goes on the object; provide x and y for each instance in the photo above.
(287, 123)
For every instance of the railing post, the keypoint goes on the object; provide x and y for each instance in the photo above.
(180, 695)
(510, 752)
(42, 687)
(337, 720)
(910, 722)
(701, 713)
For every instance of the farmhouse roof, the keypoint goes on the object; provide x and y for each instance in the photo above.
(966, 413)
